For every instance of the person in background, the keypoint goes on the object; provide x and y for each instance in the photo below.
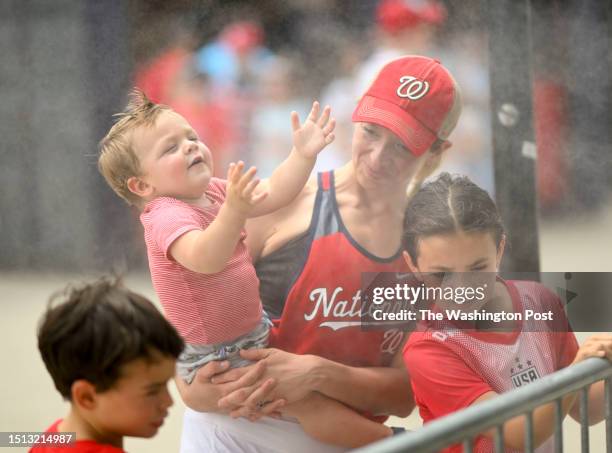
(279, 93)
(404, 27)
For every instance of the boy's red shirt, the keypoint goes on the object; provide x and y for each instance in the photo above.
(80, 446)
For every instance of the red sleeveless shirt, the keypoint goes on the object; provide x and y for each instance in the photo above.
(311, 288)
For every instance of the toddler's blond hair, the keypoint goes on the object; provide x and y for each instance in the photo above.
(118, 161)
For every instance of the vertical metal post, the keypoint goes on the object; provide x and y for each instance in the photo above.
(590, 100)
(110, 65)
(558, 426)
(529, 432)
(499, 439)
(513, 135)
(584, 419)
(468, 445)
(18, 221)
(608, 413)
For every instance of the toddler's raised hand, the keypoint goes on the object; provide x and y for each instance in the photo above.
(240, 189)
(316, 132)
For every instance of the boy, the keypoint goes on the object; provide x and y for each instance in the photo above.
(110, 352)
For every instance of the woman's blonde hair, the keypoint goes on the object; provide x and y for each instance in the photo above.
(433, 161)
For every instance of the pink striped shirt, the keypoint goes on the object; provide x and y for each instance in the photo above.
(204, 308)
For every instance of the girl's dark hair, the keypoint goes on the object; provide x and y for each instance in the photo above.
(449, 204)
(96, 329)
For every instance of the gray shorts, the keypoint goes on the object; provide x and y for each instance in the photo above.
(195, 356)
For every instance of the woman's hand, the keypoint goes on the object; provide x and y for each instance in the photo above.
(291, 374)
(203, 395)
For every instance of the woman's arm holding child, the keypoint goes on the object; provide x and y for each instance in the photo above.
(203, 396)
(298, 375)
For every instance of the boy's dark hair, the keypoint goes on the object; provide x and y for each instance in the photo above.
(97, 328)
(446, 205)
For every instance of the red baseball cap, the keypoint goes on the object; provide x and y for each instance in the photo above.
(414, 97)
(395, 15)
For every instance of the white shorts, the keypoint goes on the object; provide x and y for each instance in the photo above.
(207, 432)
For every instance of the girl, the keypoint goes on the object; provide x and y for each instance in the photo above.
(452, 226)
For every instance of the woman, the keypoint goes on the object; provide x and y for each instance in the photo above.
(310, 257)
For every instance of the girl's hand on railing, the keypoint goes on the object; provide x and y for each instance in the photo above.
(599, 345)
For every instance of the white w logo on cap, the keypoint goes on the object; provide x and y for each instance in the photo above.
(412, 88)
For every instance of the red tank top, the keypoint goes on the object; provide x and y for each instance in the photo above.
(321, 311)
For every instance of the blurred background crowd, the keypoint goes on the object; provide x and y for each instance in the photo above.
(235, 72)
(236, 69)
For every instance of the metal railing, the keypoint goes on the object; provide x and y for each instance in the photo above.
(465, 425)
